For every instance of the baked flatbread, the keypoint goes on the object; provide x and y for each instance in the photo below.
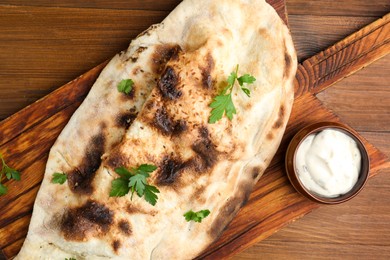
(178, 67)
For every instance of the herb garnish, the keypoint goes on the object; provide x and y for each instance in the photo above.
(9, 174)
(223, 103)
(59, 178)
(125, 86)
(134, 179)
(196, 216)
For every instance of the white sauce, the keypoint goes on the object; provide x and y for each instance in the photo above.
(328, 163)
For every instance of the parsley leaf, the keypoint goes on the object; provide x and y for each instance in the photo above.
(12, 174)
(196, 216)
(223, 103)
(246, 91)
(59, 178)
(147, 168)
(125, 86)
(150, 194)
(3, 189)
(123, 172)
(9, 174)
(232, 77)
(137, 183)
(135, 179)
(70, 258)
(246, 78)
(119, 187)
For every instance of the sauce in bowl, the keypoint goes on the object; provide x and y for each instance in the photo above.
(328, 163)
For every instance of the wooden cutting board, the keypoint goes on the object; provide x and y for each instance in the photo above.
(26, 137)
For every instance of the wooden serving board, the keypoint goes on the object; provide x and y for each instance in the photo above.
(27, 136)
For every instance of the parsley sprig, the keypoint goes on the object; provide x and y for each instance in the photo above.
(134, 179)
(125, 86)
(196, 216)
(223, 103)
(59, 178)
(9, 172)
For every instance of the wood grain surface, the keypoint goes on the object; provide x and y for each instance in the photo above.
(31, 31)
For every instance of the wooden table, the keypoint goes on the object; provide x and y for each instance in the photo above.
(44, 44)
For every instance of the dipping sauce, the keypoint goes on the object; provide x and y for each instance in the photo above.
(328, 163)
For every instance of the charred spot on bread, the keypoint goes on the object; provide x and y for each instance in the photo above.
(180, 126)
(163, 54)
(137, 70)
(168, 84)
(132, 209)
(164, 123)
(199, 194)
(134, 57)
(279, 122)
(126, 119)
(230, 208)
(81, 177)
(170, 169)
(148, 31)
(206, 153)
(116, 244)
(115, 160)
(255, 172)
(207, 81)
(226, 214)
(287, 62)
(89, 220)
(270, 136)
(124, 227)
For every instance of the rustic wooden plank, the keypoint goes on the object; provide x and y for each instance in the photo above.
(15, 236)
(300, 7)
(380, 140)
(340, 8)
(41, 47)
(31, 178)
(165, 5)
(18, 208)
(311, 34)
(13, 249)
(358, 103)
(345, 57)
(60, 99)
(18, 230)
(37, 141)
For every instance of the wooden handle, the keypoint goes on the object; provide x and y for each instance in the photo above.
(344, 58)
